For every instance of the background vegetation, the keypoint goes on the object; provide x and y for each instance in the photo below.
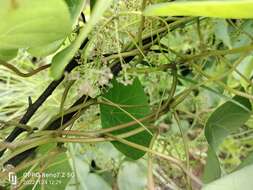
(107, 98)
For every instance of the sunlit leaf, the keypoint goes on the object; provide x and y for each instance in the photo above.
(29, 23)
(136, 102)
(218, 9)
(61, 59)
(92, 4)
(45, 50)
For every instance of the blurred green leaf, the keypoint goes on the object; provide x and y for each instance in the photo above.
(135, 97)
(60, 171)
(241, 179)
(61, 59)
(224, 120)
(75, 8)
(44, 149)
(45, 50)
(81, 170)
(222, 33)
(8, 54)
(137, 171)
(218, 9)
(57, 174)
(245, 68)
(95, 182)
(29, 23)
(240, 36)
(212, 169)
(92, 4)
(84, 179)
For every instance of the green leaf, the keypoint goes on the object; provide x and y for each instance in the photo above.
(29, 23)
(81, 169)
(61, 169)
(42, 51)
(138, 172)
(45, 149)
(55, 174)
(92, 4)
(95, 182)
(133, 96)
(222, 33)
(8, 54)
(246, 69)
(61, 59)
(224, 120)
(75, 8)
(84, 179)
(212, 169)
(218, 9)
(241, 179)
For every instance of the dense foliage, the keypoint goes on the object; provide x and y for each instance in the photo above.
(126, 94)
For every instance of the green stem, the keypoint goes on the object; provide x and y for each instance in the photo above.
(151, 183)
(242, 49)
(185, 142)
(141, 27)
(11, 123)
(19, 73)
(64, 97)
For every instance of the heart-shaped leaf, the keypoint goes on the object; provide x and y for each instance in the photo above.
(136, 105)
(30, 23)
(224, 120)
